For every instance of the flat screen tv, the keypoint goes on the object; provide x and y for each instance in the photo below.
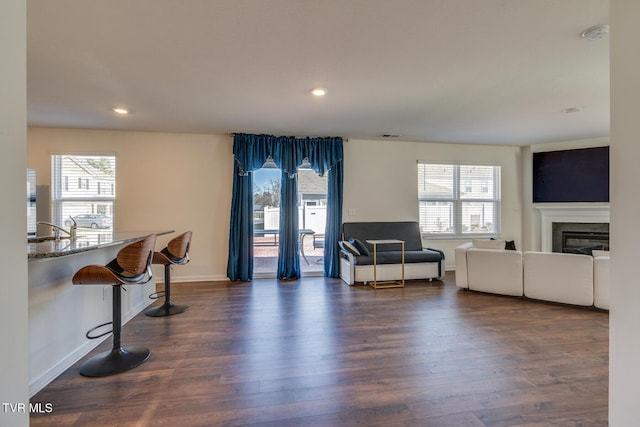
(571, 175)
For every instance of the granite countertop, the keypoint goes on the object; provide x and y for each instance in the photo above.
(86, 242)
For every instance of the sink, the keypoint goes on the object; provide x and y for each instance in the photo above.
(39, 239)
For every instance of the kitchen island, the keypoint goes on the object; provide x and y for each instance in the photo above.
(60, 313)
(85, 242)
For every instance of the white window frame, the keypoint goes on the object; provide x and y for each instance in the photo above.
(457, 202)
(60, 185)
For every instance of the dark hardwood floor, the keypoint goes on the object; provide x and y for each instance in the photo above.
(317, 352)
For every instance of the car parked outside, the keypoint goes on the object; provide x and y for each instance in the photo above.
(90, 221)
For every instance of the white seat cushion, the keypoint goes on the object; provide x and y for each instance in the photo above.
(558, 277)
(495, 270)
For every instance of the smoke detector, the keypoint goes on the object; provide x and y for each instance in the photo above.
(597, 32)
(572, 110)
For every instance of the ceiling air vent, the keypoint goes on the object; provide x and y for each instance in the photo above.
(389, 135)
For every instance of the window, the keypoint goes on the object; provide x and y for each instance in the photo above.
(458, 200)
(74, 194)
(83, 183)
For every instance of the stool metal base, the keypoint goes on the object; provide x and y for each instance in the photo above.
(115, 361)
(166, 309)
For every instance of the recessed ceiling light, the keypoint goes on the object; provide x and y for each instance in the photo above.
(120, 110)
(572, 110)
(597, 32)
(319, 91)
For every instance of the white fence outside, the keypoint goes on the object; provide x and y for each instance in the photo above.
(309, 217)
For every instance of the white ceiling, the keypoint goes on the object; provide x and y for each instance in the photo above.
(490, 71)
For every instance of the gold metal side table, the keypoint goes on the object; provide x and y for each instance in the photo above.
(386, 284)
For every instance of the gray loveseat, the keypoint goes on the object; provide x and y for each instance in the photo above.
(356, 262)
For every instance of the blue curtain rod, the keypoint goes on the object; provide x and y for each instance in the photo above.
(343, 139)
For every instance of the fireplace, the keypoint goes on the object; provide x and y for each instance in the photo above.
(588, 218)
(584, 243)
(579, 238)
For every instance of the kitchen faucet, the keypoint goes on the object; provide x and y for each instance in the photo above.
(57, 229)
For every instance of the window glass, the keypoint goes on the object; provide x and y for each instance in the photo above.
(312, 215)
(435, 181)
(459, 199)
(83, 190)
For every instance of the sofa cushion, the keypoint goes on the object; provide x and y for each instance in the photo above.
(601, 282)
(559, 277)
(408, 231)
(488, 243)
(395, 257)
(509, 245)
(461, 264)
(349, 247)
(359, 246)
(495, 270)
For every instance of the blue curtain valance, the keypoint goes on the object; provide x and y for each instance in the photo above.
(250, 153)
(288, 152)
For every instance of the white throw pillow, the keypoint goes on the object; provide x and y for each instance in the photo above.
(488, 243)
(596, 253)
(351, 248)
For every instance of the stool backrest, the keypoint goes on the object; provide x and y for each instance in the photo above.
(136, 257)
(179, 246)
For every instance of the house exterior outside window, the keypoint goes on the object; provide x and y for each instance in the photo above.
(83, 185)
(459, 200)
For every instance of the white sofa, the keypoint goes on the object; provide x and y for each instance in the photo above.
(601, 283)
(564, 278)
(494, 270)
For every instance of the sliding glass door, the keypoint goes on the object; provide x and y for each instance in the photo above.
(312, 220)
(266, 212)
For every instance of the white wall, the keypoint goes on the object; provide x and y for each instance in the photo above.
(190, 183)
(164, 181)
(380, 182)
(624, 369)
(13, 163)
(531, 216)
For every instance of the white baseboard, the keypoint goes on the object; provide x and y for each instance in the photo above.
(221, 278)
(185, 279)
(81, 351)
(43, 380)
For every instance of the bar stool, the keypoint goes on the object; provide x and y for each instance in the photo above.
(131, 266)
(176, 253)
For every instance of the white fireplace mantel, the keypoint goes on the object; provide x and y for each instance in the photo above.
(570, 212)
